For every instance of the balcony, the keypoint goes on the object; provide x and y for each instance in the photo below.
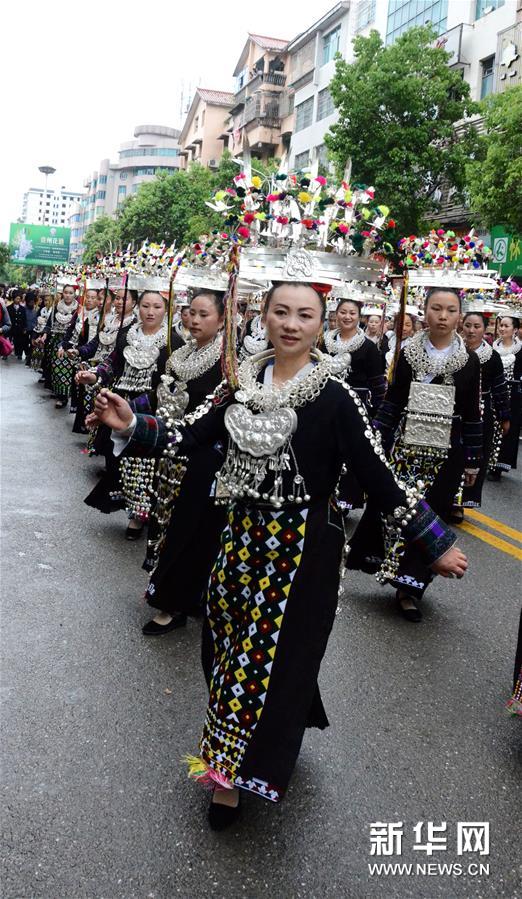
(262, 110)
(258, 78)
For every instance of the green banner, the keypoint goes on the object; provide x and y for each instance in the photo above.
(507, 252)
(38, 244)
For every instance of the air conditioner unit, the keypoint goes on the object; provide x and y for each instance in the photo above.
(212, 163)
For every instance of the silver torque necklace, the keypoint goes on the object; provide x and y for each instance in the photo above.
(256, 341)
(336, 345)
(184, 365)
(423, 364)
(508, 355)
(142, 350)
(64, 313)
(298, 391)
(108, 333)
(484, 352)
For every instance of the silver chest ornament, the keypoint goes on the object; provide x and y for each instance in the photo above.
(259, 450)
(430, 416)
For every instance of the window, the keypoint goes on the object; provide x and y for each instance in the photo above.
(322, 155)
(149, 151)
(365, 14)
(331, 44)
(405, 14)
(123, 176)
(325, 104)
(196, 123)
(101, 194)
(144, 171)
(301, 160)
(484, 6)
(488, 70)
(122, 190)
(102, 179)
(304, 114)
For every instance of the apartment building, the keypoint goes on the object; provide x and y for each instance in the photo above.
(48, 207)
(155, 148)
(262, 112)
(201, 136)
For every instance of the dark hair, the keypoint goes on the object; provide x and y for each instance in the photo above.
(133, 294)
(276, 284)
(479, 315)
(216, 295)
(147, 292)
(516, 321)
(31, 296)
(344, 300)
(433, 290)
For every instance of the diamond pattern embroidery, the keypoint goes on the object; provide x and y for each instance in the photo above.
(246, 602)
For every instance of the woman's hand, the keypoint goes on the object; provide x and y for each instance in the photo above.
(60, 352)
(452, 564)
(505, 427)
(92, 421)
(112, 410)
(85, 377)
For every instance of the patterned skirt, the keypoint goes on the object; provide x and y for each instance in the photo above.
(61, 371)
(271, 604)
(37, 358)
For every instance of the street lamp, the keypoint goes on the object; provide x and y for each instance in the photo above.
(46, 170)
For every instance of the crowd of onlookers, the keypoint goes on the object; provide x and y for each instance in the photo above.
(19, 311)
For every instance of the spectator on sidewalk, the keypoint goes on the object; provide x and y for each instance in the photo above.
(31, 317)
(17, 315)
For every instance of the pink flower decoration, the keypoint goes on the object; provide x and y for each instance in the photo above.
(321, 180)
(243, 232)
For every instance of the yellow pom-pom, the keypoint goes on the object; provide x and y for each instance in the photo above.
(256, 181)
(304, 197)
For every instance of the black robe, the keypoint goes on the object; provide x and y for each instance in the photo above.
(274, 587)
(366, 545)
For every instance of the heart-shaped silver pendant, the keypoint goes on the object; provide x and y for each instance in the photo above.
(261, 434)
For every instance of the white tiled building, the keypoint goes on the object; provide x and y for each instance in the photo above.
(48, 207)
(484, 37)
(154, 149)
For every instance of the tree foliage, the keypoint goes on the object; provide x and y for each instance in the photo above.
(494, 178)
(101, 237)
(172, 207)
(397, 108)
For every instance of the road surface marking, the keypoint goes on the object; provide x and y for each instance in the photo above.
(495, 525)
(497, 542)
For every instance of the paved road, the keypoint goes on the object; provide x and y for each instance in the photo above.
(95, 801)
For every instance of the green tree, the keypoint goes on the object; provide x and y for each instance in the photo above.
(4, 260)
(101, 237)
(397, 109)
(494, 178)
(167, 208)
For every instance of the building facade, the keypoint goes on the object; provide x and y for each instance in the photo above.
(155, 148)
(48, 207)
(201, 138)
(262, 113)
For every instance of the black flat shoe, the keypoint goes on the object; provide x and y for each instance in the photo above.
(153, 629)
(222, 816)
(133, 533)
(414, 615)
(494, 475)
(61, 404)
